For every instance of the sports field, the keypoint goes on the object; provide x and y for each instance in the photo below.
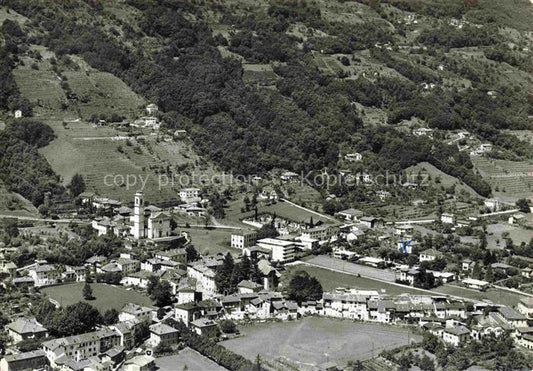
(315, 340)
(187, 359)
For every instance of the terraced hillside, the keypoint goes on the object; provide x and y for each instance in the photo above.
(114, 162)
(510, 180)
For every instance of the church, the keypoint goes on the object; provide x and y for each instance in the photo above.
(148, 222)
(152, 224)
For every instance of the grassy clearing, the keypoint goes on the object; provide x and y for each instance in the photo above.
(315, 340)
(211, 241)
(14, 204)
(494, 295)
(107, 296)
(331, 280)
(425, 168)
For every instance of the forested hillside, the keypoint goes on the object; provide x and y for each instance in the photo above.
(455, 65)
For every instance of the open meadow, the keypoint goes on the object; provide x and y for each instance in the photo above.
(106, 296)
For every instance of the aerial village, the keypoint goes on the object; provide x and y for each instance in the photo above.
(142, 249)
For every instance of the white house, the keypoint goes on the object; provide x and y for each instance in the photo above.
(151, 109)
(525, 306)
(189, 194)
(18, 114)
(243, 239)
(163, 334)
(492, 203)
(135, 312)
(204, 276)
(429, 255)
(423, 132)
(26, 328)
(456, 335)
(350, 214)
(44, 275)
(476, 284)
(353, 157)
(447, 218)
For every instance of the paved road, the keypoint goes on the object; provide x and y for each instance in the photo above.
(34, 219)
(344, 266)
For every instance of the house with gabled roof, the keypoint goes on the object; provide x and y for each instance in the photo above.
(163, 334)
(26, 328)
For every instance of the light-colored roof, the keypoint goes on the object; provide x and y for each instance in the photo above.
(24, 356)
(457, 330)
(162, 329)
(26, 326)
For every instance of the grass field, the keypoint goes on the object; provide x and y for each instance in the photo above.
(493, 294)
(187, 359)
(14, 204)
(106, 296)
(210, 241)
(330, 280)
(425, 168)
(315, 340)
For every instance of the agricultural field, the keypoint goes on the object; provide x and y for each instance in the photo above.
(509, 180)
(106, 296)
(432, 173)
(312, 341)
(105, 156)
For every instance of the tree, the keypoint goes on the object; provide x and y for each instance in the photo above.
(489, 274)
(87, 291)
(476, 271)
(162, 294)
(110, 316)
(523, 205)
(257, 365)
(159, 291)
(141, 332)
(267, 231)
(192, 253)
(75, 319)
(77, 185)
(426, 364)
(303, 287)
(10, 227)
(223, 276)
(28, 345)
(228, 326)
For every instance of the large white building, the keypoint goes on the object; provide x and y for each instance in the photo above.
(243, 239)
(282, 250)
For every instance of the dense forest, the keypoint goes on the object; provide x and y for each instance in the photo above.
(301, 123)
